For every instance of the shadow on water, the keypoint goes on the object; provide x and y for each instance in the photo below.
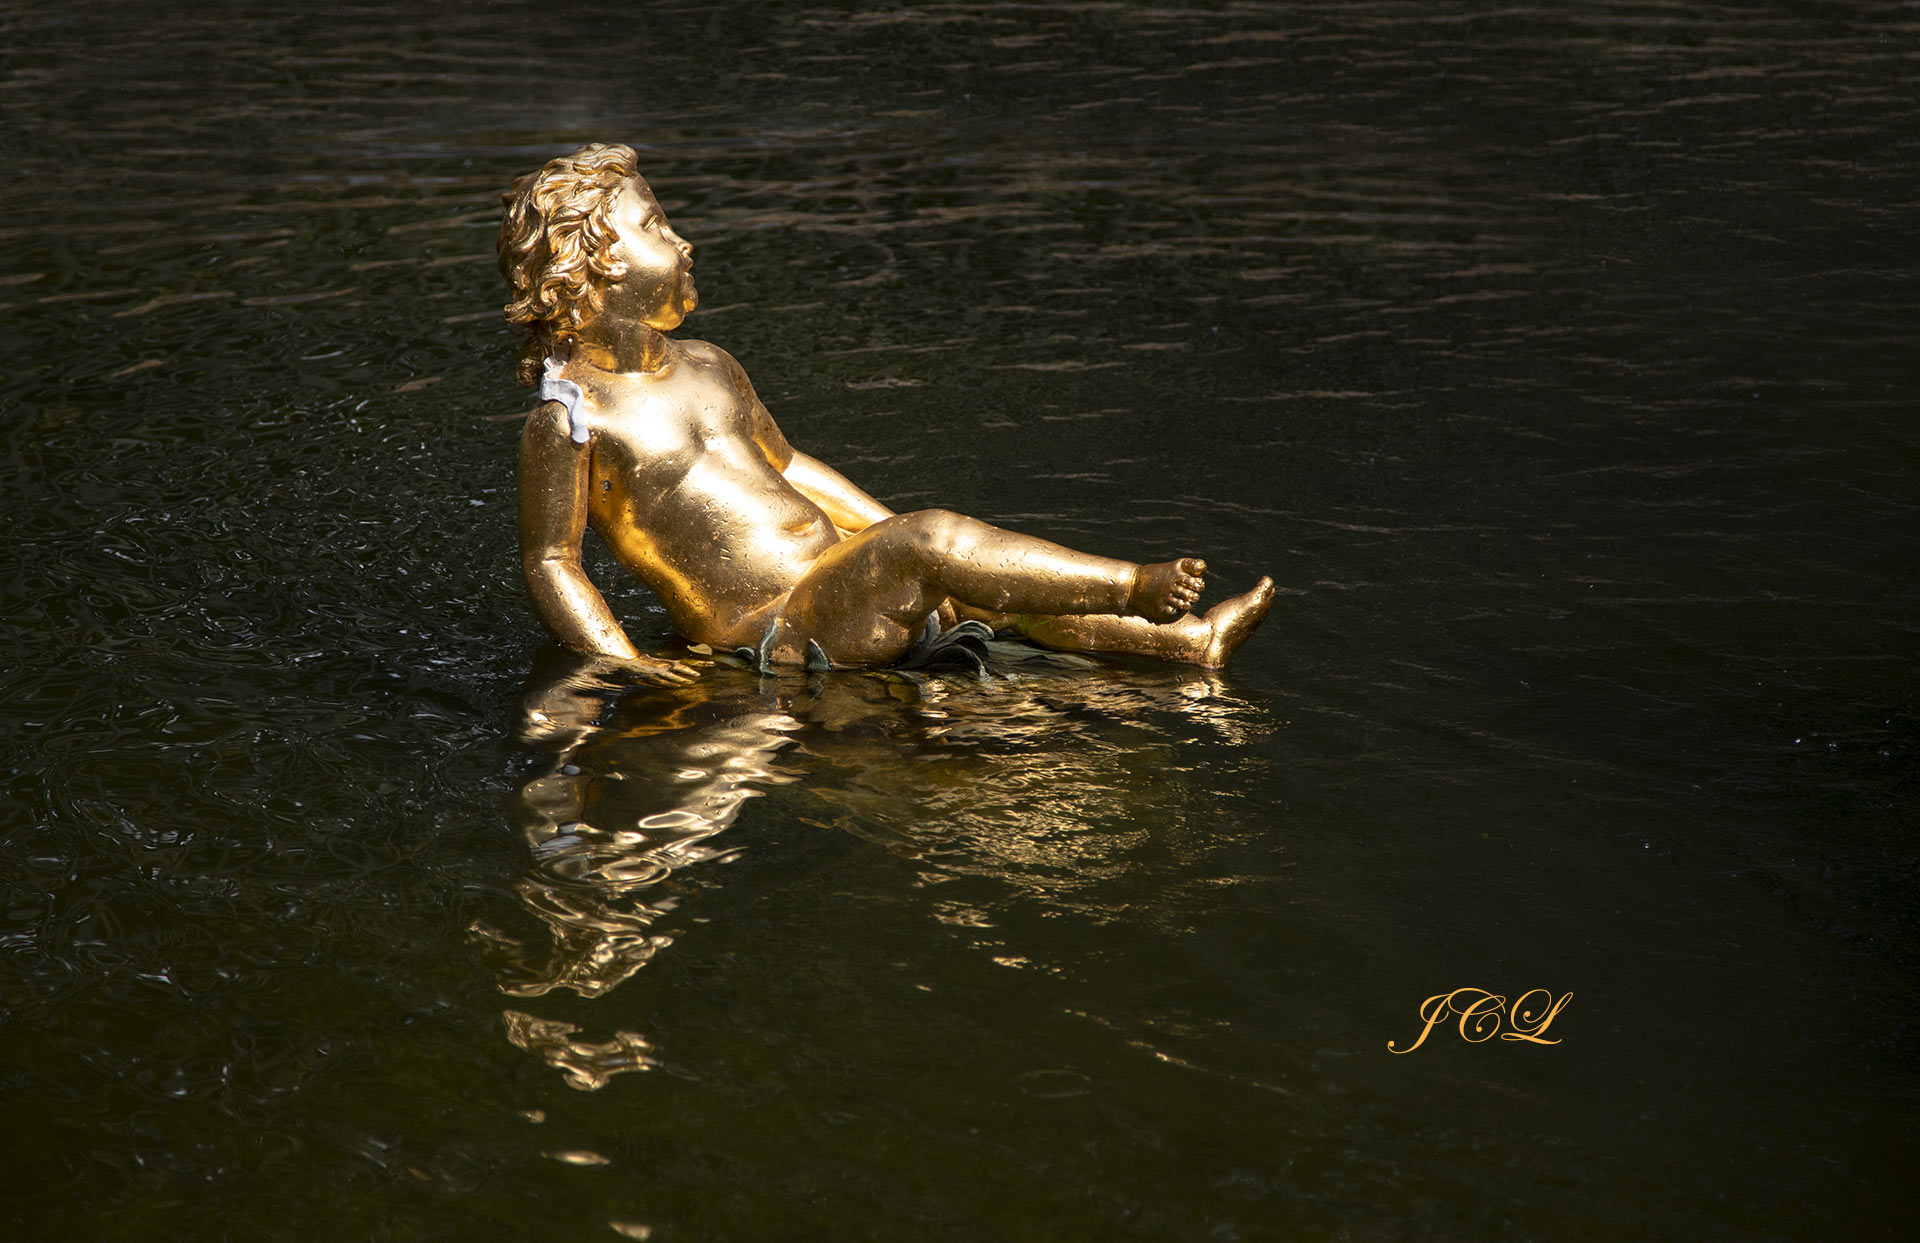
(622, 790)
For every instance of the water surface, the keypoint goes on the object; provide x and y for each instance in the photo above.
(1556, 362)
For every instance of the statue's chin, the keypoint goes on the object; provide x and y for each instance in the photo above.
(670, 316)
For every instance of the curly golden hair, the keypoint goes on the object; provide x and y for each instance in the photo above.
(556, 246)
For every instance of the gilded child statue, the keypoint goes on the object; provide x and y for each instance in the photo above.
(661, 445)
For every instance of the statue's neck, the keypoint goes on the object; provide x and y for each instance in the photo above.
(622, 345)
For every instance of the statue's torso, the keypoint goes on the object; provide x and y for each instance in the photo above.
(684, 493)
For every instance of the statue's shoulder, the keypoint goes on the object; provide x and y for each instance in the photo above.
(549, 422)
(707, 354)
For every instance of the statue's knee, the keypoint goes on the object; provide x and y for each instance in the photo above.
(941, 531)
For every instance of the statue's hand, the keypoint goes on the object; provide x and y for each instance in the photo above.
(652, 671)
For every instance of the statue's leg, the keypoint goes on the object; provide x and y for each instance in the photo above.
(1198, 639)
(1184, 639)
(866, 598)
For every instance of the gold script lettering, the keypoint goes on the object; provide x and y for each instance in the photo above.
(1433, 1012)
(1482, 1013)
(1485, 1011)
(1524, 1025)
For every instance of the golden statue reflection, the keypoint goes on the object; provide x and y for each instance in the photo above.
(609, 812)
(627, 785)
(663, 448)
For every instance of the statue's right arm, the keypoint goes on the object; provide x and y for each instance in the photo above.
(553, 517)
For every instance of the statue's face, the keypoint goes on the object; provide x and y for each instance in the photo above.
(657, 287)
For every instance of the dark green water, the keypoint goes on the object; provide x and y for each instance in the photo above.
(1558, 361)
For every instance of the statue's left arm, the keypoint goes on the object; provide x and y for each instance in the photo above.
(846, 505)
(850, 508)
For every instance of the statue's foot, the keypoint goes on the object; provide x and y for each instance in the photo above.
(1165, 590)
(1231, 621)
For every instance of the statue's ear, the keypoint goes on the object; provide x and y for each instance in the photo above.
(617, 271)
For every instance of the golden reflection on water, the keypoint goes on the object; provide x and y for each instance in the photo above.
(1039, 779)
